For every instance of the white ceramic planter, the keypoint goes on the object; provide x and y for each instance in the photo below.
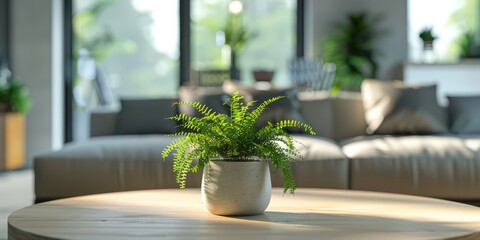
(236, 187)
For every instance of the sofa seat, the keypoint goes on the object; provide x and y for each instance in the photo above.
(134, 162)
(323, 165)
(443, 166)
(105, 164)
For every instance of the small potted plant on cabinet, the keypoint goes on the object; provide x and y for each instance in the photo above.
(427, 38)
(233, 152)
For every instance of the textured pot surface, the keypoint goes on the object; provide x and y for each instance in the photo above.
(236, 187)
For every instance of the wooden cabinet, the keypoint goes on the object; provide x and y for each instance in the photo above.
(12, 140)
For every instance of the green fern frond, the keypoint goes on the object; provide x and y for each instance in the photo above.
(201, 108)
(284, 163)
(255, 114)
(235, 103)
(295, 124)
(192, 123)
(174, 145)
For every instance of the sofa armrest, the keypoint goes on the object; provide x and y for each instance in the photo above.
(336, 117)
(103, 122)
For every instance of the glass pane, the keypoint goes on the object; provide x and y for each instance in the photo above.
(449, 21)
(123, 49)
(270, 36)
(273, 41)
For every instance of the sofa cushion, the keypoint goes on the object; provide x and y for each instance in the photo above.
(146, 116)
(337, 117)
(106, 164)
(134, 162)
(463, 118)
(323, 165)
(444, 166)
(393, 108)
(472, 142)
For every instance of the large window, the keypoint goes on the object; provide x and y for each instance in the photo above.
(269, 42)
(122, 49)
(132, 48)
(451, 22)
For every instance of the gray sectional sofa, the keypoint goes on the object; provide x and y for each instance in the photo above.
(341, 156)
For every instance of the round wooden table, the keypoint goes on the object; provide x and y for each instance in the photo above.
(310, 214)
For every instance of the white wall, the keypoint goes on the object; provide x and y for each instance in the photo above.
(34, 49)
(321, 14)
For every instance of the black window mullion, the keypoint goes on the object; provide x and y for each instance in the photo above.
(300, 28)
(185, 40)
(68, 69)
(184, 58)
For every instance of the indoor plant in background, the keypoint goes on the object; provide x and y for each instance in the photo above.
(14, 97)
(233, 152)
(14, 104)
(427, 38)
(353, 50)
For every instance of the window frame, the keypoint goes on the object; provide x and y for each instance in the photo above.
(5, 13)
(184, 59)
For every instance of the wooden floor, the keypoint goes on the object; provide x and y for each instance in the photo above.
(16, 191)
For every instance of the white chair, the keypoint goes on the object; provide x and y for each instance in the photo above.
(311, 74)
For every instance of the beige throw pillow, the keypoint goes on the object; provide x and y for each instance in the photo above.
(394, 108)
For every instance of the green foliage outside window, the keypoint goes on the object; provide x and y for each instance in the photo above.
(465, 19)
(269, 26)
(469, 48)
(98, 39)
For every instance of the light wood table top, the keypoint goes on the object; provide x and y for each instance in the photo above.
(310, 214)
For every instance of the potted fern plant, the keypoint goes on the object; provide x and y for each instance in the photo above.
(233, 153)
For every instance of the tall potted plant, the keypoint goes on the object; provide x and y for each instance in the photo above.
(14, 97)
(14, 104)
(233, 152)
(353, 51)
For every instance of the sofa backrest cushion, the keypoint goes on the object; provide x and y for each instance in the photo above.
(103, 122)
(464, 114)
(394, 108)
(337, 117)
(146, 116)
